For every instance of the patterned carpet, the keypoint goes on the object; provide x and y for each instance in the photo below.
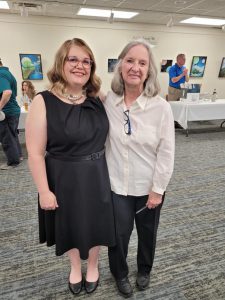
(190, 255)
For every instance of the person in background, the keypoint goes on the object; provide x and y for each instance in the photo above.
(177, 74)
(28, 92)
(9, 126)
(66, 131)
(140, 156)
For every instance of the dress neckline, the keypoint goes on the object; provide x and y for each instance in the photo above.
(60, 100)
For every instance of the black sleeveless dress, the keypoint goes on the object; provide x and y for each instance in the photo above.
(84, 218)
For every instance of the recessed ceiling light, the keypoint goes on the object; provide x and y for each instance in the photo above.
(105, 13)
(180, 2)
(204, 21)
(4, 5)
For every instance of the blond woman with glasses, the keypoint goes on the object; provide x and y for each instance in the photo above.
(65, 135)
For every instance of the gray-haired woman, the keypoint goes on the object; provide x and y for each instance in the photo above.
(140, 156)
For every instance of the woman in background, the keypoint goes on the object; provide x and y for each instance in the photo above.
(69, 122)
(28, 93)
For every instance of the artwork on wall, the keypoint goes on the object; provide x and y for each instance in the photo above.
(166, 64)
(111, 64)
(198, 66)
(222, 68)
(31, 66)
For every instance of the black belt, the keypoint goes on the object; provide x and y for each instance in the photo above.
(92, 156)
(175, 87)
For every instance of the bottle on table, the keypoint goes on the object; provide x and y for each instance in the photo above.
(214, 95)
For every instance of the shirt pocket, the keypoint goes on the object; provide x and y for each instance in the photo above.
(147, 136)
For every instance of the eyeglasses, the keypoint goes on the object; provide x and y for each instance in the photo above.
(127, 124)
(74, 61)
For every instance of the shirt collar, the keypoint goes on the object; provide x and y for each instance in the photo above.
(178, 66)
(119, 100)
(4, 68)
(141, 101)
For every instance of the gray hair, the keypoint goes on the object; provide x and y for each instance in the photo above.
(151, 85)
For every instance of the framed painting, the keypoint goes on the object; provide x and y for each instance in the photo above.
(166, 64)
(222, 68)
(198, 66)
(31, 66)
(111, 64)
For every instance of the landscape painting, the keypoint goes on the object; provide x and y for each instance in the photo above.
(31, 66)
(198, 66)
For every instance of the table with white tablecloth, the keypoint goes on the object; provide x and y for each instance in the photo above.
(186, 111)
(22, 119)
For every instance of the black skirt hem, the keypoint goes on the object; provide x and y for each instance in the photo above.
(83, 257)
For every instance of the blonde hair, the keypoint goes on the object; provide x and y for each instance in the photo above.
(56, 74)
(151, 85)
(31, 89)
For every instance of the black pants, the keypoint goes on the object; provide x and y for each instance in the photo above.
(146, 223)
(9, 139)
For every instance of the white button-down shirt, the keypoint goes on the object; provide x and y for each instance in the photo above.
(143, 161)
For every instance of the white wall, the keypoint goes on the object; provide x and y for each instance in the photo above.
(44, 35)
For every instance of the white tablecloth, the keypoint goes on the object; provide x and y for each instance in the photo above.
(22, 120)
(197, 111)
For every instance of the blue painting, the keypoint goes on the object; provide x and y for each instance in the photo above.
(198, 66)
(31, 66)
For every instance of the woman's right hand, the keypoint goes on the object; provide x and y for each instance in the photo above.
(48, 201)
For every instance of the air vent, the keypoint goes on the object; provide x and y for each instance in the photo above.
(26, 7)
(29, 5)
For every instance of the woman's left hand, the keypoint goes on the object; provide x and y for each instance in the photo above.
(154, 200)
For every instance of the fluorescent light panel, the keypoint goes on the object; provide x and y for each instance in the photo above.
(105, 13)
(204, 21)
(4, 5)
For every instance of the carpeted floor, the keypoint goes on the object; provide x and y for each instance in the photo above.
(190, 255)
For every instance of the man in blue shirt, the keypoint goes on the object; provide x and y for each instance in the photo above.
(9, 126)
(177, 74)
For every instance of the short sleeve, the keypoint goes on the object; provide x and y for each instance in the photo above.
(172, 72)
(4, 84)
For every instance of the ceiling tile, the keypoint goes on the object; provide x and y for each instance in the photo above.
(150, 11)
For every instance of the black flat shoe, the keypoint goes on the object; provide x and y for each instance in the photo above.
(90, 287)
(124, 287)
(142, 281)
(76, 288)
